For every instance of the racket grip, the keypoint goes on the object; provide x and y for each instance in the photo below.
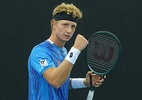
(91, 87)
(90, 95)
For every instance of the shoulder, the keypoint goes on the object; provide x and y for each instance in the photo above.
(41, 48)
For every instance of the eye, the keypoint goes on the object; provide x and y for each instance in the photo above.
(65, 24)
(73, 26)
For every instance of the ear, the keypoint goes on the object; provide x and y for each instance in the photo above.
(53, 23)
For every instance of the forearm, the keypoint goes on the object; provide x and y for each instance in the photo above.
(66, 66)
(62, 72)
(57, 76)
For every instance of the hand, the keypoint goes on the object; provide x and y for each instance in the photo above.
(80, 42)
(96, 79)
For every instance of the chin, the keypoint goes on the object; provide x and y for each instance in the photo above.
(66, 40)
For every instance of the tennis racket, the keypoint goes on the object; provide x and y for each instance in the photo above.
(102, 54)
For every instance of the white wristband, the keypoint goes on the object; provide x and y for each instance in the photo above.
(72, 55)
(77, 83)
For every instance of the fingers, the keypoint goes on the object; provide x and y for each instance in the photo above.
(88, 73)
(87, 83)
(80, 42)
(97, 80)
(98, 83)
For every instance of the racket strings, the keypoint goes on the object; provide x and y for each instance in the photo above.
(99, 61)
(105, 40)
(100, 65)
(115, 55)
(103, 67)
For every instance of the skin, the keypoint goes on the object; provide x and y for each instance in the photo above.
(62, 31)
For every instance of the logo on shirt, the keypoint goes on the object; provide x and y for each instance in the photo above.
(59, 62)
(43, 62)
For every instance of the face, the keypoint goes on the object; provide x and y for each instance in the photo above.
(63, 30)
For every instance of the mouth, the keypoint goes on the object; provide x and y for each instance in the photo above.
(67, 36)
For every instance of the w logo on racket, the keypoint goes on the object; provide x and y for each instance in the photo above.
(103, 52)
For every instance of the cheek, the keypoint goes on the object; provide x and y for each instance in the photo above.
(73, 32)
(60, 29)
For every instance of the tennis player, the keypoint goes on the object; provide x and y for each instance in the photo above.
(50, 65)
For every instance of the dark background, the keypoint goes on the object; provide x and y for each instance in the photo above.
(25, 23)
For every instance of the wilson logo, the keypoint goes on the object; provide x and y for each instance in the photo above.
(103, 52)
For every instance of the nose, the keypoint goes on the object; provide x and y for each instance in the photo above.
(69, 29)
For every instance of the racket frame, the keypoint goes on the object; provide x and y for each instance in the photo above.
(110, 34)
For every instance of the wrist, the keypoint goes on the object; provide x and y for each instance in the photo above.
(72, 55)
(85, 83)
(78, 83)
(76, 47)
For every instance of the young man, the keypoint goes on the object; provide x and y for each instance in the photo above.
(50, 65)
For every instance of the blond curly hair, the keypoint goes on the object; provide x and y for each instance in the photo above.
(70, 9)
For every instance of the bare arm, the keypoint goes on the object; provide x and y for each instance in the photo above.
(57, 76)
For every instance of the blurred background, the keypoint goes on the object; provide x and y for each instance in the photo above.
(25, 23)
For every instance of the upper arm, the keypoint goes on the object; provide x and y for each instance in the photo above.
(41, 61)
(47, 74)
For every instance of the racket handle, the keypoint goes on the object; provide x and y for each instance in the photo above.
(91, 87)
(90, 95)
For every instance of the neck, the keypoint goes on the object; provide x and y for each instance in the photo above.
(57, 41)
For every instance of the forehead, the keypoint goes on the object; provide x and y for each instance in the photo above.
(67, 22)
